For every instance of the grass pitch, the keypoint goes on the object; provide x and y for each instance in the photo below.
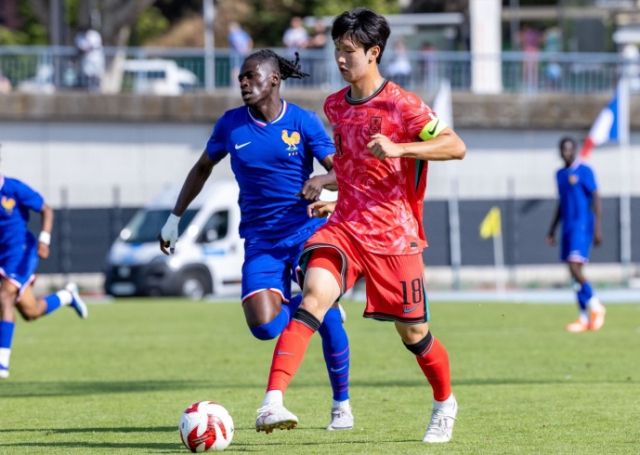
(119, 381)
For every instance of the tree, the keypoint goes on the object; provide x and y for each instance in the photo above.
(116, 16)
(267, 20)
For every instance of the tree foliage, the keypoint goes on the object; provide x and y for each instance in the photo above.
(117, 17)
(267, 20)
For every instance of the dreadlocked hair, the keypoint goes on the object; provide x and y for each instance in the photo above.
(288, 68)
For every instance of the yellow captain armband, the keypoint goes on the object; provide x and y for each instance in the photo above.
(432, 129)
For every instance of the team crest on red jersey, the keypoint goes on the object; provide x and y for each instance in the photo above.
(375, 125)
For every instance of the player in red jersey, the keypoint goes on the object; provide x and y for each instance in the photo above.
(384, 138)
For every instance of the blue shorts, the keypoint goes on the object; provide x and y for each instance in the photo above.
(18, 264)
(576, 246)
(271, 264)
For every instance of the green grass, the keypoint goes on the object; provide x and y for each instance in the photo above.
(119, 381)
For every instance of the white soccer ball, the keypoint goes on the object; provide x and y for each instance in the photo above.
(206, 427)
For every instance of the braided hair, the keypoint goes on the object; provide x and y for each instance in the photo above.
(288, 68)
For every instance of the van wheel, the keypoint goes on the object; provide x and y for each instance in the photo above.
(193, 286)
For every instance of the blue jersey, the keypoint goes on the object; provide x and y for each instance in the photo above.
(271, 162)
(576, 185)
(16, 199)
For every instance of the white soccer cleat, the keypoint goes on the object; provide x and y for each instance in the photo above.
(4, 372)
(274, 416)
(77, 303)
(440, 427)
(341, 419)
(343, 314)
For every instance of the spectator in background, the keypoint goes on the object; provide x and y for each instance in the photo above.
(319, 38)
(553, 44)
(316, 64)
(5, 84)
(530, 42)
(429, 66)
(241, 45)
(296, 36)
(399, 69)
(89, 44)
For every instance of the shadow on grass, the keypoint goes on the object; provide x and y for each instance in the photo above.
(95, 430)
(153, 447)
(72, 388)
(80, 388)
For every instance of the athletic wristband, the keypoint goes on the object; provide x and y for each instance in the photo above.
(173, 220)
(44, 237)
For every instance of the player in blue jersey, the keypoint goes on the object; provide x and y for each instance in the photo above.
(19, 253)
(580, 210)
(272, 145)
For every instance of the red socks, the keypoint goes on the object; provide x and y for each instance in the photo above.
(435, 366)
(288, 354)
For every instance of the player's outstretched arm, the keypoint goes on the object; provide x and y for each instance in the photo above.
(447, 145)
(192, 186)
(44, 239)
(597, 212)
(551, 235)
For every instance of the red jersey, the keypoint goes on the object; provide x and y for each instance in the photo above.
(380, 202)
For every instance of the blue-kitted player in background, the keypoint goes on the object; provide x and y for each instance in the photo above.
(19, 253)
(580, 210)
(272, 145)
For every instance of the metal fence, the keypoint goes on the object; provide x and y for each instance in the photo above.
(175, 70)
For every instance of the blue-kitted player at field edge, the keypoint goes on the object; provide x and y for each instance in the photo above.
(580, 210)
(272, 145)
(19, 253)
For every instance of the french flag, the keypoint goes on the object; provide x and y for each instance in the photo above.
(604, 129)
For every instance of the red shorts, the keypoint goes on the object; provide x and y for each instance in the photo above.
(395, 284)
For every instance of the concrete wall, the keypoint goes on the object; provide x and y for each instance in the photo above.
(90, 160)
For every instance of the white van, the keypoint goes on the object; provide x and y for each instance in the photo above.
(157, 77)
(209, 253)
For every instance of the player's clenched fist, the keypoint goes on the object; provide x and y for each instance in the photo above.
(382, 147)
(169, 235)
(321, 209)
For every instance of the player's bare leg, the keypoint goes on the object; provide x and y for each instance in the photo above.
(32, 307)
(433, 359)
(8, 295)
(320, 292)
(29, 306)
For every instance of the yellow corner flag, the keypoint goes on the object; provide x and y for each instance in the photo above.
(491, 226)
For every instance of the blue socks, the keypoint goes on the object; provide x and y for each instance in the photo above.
(584, 295)
(53, 303)
(6, 337)
(272, 329)
(335, 346)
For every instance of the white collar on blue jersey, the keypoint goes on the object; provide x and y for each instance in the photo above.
(577, 162)
(1, 181)
(261, 123)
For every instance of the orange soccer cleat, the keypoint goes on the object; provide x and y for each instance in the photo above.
(578, 326)
(596, 317)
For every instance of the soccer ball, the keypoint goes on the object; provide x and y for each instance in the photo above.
(206, 427)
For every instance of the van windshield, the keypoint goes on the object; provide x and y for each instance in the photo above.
(146, 224)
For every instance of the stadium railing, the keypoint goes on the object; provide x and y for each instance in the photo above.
(47, 69)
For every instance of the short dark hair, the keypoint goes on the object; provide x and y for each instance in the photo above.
(568, 139)
(367, 27)
(287, 68)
